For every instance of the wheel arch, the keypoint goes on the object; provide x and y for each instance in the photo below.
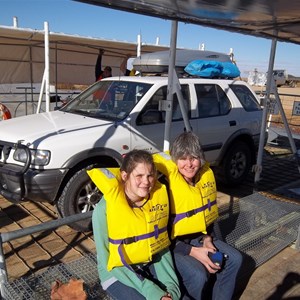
(97, 156)
(242, 135)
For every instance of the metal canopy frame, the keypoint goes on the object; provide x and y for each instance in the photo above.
(262, 18)
(268, 19)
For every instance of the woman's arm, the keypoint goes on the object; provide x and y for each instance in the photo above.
(145, 287)
(201, 253)
(98, 66)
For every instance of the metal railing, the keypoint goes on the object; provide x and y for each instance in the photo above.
(9, 236)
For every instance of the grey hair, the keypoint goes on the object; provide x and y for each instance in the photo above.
(187, 144)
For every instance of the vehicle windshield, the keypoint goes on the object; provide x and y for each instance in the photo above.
(110, 100)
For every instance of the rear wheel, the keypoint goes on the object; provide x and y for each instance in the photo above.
(236, 164)
(79, 195)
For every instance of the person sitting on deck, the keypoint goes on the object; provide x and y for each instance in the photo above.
(130, 231)
(192, 191)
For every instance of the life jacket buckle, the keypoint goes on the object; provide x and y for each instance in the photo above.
(190, 213)
(129, 240)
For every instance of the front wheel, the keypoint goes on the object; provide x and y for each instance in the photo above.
(80, 195)
(236, 164)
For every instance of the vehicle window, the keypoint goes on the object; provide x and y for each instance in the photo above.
(212, 100)
(112, 100)
(247, 99)
(151, 113)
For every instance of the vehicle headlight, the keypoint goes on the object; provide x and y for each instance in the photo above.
(38, 157)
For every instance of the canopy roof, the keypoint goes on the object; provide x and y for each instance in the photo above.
(72, 57)
(278, 20)
(263, 18)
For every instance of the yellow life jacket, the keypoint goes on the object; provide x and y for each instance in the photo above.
(193, 208)
(135, 234)
(132, 72)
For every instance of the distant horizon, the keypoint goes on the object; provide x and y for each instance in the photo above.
(244, 75)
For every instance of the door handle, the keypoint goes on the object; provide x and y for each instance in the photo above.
(232, 123)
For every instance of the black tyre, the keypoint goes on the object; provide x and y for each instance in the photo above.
(236, 164)
(79, 195)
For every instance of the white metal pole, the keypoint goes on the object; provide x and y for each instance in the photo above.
(38, 109)
(47, 68)
(15, 22)
(258, 166)
(3, 269)
(139, 45)
(177, 89)
(172, 57)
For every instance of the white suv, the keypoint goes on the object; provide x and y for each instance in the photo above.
(112, 117)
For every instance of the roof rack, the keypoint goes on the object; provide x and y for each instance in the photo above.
(157, 64)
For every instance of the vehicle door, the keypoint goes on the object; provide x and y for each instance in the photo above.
(218, 118)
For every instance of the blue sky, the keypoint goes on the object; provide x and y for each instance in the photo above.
(72, 17)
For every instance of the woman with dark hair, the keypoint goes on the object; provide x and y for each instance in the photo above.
(130, 231)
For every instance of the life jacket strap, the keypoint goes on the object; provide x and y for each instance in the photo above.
(155, 233)
(190, 213)
(121, 242)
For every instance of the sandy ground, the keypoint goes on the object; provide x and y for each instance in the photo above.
(288, 97)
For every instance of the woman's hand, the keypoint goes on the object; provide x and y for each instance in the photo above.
(166, 297)
(201, 254)
(207, 242)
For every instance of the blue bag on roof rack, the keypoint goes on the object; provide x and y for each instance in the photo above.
(212, 69)
(158, 62)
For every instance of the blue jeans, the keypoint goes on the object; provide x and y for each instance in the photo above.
(119, 290)
(193, 275)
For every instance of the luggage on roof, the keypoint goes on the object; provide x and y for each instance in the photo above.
(158, 62)
(212, 69)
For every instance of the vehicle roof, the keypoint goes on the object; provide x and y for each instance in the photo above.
(164, 79)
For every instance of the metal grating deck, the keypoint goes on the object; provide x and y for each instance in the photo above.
(38, 286)
(258, 226)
